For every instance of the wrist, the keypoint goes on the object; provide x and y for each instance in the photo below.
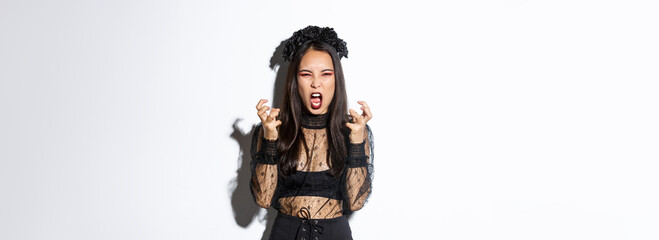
(270, 135)
(356, 138)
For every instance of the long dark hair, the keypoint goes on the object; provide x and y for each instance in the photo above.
(291, 113)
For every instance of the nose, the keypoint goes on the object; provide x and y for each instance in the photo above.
(315, 83)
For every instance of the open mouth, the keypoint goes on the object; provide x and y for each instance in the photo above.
(316, 100)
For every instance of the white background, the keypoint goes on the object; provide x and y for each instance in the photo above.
(512, 119)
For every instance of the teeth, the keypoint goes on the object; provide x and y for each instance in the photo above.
(315, 95)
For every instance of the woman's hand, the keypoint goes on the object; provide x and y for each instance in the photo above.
(269, 121)
(358, 123)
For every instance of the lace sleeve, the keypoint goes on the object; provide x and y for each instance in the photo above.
(264, 168)
(359, 172)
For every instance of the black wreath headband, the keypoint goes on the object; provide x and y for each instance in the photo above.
(314, 33)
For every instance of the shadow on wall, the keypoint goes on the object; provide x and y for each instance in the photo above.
(244, 207)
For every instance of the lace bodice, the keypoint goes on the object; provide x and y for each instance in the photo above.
(312, 188)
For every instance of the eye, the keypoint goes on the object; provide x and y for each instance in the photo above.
(304, 75)
(327, 74)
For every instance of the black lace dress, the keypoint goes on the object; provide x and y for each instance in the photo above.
(312, 195)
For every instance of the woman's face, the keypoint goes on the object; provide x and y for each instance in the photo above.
(315, 81)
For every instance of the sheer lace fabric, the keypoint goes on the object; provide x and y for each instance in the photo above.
(312, 189)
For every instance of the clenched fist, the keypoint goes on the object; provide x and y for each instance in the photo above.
(269, 121)
(358, 123)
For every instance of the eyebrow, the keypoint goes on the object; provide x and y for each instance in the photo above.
(305, 70)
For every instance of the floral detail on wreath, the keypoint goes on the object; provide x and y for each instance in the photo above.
(314, 33)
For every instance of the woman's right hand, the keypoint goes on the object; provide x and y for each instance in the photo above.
(269, 121)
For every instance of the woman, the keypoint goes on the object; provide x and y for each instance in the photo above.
(310, 160)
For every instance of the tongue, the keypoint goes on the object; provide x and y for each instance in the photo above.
(316, 103)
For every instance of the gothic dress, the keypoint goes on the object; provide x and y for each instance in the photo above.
(311, 202)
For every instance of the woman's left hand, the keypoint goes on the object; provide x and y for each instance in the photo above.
(358, 123)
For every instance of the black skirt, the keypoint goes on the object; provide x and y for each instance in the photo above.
(287, 227)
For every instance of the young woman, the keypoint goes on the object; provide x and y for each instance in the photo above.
(312, 159)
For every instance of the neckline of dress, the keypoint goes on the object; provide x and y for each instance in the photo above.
(313, 121)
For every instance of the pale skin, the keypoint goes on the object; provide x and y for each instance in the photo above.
(316, 75)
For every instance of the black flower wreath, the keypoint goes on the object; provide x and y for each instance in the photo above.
(314, 33)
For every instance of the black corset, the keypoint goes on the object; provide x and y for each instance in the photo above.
(320, 184)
